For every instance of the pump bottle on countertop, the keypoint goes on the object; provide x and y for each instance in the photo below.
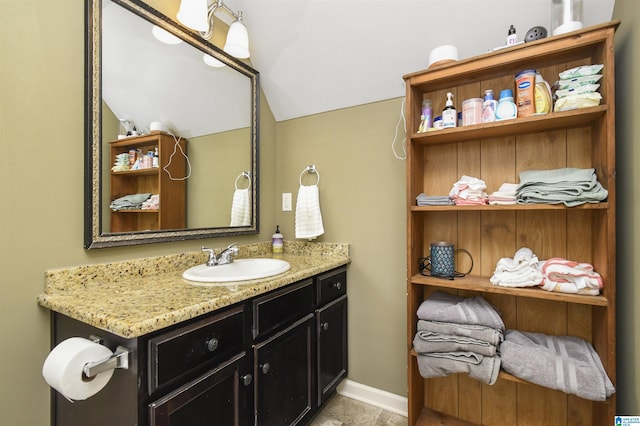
(277, 241)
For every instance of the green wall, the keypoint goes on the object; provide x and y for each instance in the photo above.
(361, 190)
(628, 196)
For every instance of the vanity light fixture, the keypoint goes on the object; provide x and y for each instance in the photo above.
(164, 36)
(198, 15)
(212, 62)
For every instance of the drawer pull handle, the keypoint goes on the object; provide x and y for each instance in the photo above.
(325, 325)
(247, 379)
(337, 285)
(265, 368)
(212, 344)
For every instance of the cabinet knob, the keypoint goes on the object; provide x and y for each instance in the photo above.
(212, 344)
(324, 325)
(247, 379)
(337, 285)
(265, 368)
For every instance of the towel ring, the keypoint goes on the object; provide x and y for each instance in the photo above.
(241, 175)
(310, 169)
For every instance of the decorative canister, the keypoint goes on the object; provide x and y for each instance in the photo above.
(472, 111)
(442, 259)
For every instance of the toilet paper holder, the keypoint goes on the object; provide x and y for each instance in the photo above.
(119, 359)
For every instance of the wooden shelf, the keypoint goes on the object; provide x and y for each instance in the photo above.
(136, 211)
(499, 152)
(507, 128)
(172, 213)
(138, 172)
(430, 417)
(482, 284)
(515, 207)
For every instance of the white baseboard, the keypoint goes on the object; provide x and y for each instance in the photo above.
(373, 396)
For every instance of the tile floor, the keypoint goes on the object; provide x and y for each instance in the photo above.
(343, 411)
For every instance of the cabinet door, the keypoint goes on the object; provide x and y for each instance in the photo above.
(283, 375)
(331, 328)
(221, 396)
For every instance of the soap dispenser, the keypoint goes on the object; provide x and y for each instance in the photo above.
(449, 114)
(277, 241)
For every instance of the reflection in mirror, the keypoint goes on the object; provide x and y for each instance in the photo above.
(203, 120)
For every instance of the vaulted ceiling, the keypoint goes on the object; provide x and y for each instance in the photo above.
(321, 55)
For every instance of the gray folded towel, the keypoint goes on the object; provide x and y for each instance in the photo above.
(426, 342)
(445, 307)
(482, 368)
(434, 200)
(480, 332)
(565, 363)
(132, 201)
(570, 186)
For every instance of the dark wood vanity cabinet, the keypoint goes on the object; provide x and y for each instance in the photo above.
(220, 396)
(270, 360)
(331, 332)
(222, 393)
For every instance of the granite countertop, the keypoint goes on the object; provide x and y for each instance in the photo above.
(134, 298)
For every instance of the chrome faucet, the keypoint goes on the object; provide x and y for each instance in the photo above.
(226, 256)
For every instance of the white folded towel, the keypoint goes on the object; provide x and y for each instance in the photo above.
(308, 215)
(241, 208)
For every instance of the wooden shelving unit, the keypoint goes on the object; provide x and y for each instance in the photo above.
(153, 180)
(497, 152)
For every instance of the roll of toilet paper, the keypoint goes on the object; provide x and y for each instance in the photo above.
(63, 368)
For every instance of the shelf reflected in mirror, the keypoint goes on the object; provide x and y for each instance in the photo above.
(215, 109)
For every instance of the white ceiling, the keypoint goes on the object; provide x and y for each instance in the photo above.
(321, 55)
(313, 55)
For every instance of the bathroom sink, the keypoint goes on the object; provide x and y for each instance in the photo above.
(238, 270)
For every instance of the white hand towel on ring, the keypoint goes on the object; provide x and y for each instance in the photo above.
(240, 208)
(308, 215)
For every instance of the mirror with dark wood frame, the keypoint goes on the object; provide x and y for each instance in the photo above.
(203, 119)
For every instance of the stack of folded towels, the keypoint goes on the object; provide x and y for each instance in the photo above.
(129, 202)
(151, 203)
(433, 200)
(469, 190)
(564, 363)
(519, 271)
(567, 276)
(555, 274)
(504, 196)
(458, 335)
(570, 186)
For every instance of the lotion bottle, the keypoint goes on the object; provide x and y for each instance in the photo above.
(277, 241)
(489, 107)
(449, 114)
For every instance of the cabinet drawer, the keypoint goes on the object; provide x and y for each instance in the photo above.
(182, 352)
(332, 285)
(282, 307)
